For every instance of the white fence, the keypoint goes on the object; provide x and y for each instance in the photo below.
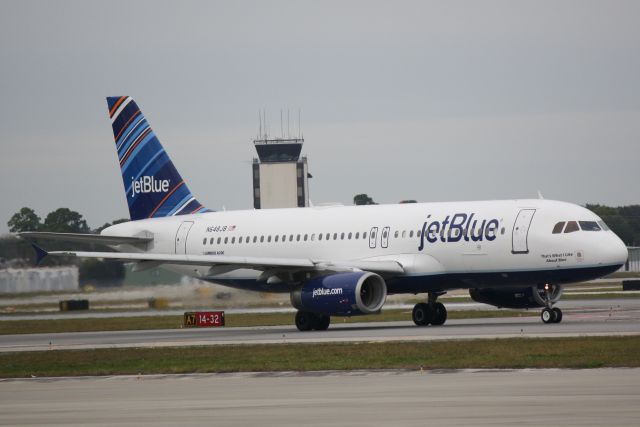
(633, 262)
(18, 280)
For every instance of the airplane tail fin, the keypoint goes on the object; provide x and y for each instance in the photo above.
(153, 187)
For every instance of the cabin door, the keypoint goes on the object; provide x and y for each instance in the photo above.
(181, 237)
(521, 231)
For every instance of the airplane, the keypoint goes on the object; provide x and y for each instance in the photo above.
(345, 260)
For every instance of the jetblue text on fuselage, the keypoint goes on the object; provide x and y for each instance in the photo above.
(149, 184)
(456, 228)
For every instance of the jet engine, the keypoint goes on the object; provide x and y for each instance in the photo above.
(529, 297)
(346, 294)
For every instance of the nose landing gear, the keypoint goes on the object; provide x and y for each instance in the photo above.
(430, 313)
(550, 314)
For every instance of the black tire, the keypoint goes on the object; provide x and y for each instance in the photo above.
(439, 314)
(305, 320)
(322, 322)
(421, 314)
(548, 315)
(558, 315)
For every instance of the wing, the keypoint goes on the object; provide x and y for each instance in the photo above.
(260, 263)
(85, 238)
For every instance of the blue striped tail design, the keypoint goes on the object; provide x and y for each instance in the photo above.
(152, 185)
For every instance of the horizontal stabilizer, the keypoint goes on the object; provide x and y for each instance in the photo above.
(85, 238)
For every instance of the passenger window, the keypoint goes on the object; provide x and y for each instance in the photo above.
(226, 239)
(357, 235)
(342, 236)
(261, 239)
(419, 233)
(204, 241)
(319, 236)
(349, 236)
(219, 240)
(404, 234)
(335, 236)
(291, 237)
(233, 240)
(571, 227)
(269, 239)
(276, 238)
(364, 235)
(396, 234)
(411, 233)
(246, 240)
(558, 227)
(305, 237)
(255, 239)
(589, 226)
(298, 238)
(210, 241)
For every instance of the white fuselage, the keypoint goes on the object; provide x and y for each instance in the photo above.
(472, 243)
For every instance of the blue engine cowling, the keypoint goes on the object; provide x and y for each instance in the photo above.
(346, 294)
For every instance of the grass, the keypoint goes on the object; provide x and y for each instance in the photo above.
(584, 352)
(231, 320)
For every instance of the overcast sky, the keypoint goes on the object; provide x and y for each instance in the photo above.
(432, 101)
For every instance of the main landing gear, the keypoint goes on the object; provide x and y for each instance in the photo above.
(430, 313)
(550, 314)
(307, 321)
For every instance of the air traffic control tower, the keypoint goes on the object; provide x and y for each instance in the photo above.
(280, 175)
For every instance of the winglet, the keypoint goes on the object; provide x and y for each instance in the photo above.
(40, 253)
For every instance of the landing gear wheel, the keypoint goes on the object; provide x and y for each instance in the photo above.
(322, 322)
(548, 315)
(421, 314)
(305, 320)
(558, 315)
(439, 314)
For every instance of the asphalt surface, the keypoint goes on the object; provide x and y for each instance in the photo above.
(595, 397)
(594, 318)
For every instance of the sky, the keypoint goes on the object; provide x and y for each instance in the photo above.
(425, 100)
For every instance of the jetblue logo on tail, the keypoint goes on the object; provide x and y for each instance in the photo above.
(149, 184)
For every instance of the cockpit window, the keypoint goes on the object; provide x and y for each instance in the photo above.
(558, 227)
(589, 226)
(603, 225)
(571, 227)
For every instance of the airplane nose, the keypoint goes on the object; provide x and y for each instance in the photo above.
(616, 251)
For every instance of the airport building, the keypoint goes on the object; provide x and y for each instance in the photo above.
(280, 174)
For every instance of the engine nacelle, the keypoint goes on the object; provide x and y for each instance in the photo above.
(346, 294)
(529, 297)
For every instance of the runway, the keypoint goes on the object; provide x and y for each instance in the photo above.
(552, 397)
(622, 318)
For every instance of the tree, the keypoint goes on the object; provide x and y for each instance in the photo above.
(24, 220)
(363, 199)
(63, 220)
